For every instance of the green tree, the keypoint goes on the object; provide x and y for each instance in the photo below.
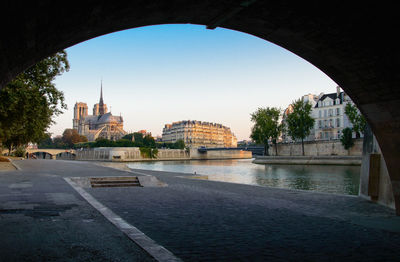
(58, 142)
(266, 126)
(356, 119)
(103, 142)
(46, 142)
(347, 138)
(299, 121)
(148, 152)
(179, 144)
(138, 138)
(148, 141)
(30, 101)
(128, 137)
(124, 143)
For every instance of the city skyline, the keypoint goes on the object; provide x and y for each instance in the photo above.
(160, 74)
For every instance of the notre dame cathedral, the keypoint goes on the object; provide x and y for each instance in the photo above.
(101, 124)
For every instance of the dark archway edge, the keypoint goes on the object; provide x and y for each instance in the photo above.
(352, 42)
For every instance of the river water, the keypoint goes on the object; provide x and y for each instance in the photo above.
(322, 178)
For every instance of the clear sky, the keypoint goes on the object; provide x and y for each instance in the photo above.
(161, 74)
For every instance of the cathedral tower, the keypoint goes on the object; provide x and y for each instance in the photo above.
(80, 112)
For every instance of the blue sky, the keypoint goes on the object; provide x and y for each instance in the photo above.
(160, 74)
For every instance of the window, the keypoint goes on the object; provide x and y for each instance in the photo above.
(325, 113)
(337, 122)
(337, 111)
(319, 103)
(320, 113)
(330, 112)
(319, 123)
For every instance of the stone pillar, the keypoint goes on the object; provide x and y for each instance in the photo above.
(375, 183)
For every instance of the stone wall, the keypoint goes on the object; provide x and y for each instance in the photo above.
(121, 154)
(220, 154)
(309, 160)
(128, 154)
(318, 148)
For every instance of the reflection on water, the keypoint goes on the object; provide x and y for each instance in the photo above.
(330, 179)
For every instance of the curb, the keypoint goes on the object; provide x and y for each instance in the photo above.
(15, 165)
(158, 252)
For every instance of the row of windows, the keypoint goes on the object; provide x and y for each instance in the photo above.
(329, 112)
(329, 123)
(328, 135)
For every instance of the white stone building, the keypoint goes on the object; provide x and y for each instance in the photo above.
(329, 115)
(328, 112)
(199, 134)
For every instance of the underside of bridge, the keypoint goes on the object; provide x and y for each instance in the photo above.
(353, 44)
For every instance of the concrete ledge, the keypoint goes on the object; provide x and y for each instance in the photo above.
(309, 160)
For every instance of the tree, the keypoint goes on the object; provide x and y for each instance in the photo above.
(299, 121)
(30, 101)
(347, 138)
(356, 119)
(124, 143)
(179, 144)
(71, 136)
(128, 137)
(138, 138)
(46, 142)
(148, 141)
(103, 142)
(148, 152)
(266, 126)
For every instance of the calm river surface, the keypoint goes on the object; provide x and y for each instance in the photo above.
(329, 179)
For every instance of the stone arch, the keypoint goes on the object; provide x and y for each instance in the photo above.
(43, 155)
(351, 43)
(66, 156)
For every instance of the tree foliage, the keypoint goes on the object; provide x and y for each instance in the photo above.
(347, 138)
(356, 119)
(266, 126)
(71, 136)
(299, 121)
(30, 101)
(148, 152)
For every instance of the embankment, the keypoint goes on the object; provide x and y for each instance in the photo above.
(309, 160)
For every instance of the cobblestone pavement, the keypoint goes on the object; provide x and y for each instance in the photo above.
(201, 220)
(43, 219)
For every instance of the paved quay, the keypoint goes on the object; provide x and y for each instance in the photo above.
(196, 220)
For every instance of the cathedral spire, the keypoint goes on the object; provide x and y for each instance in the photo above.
(101, 103)
(101, 92)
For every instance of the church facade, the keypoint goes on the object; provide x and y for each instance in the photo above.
(102, 124)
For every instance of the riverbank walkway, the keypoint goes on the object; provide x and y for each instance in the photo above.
(43, 218)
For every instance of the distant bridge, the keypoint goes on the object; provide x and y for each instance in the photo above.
(53, 153)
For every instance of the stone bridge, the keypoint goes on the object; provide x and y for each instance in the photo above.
(50, 151)
(352, 43)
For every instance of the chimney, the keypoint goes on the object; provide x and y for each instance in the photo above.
(338, 91)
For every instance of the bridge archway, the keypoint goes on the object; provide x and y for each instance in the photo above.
(66, 156)
(349, 42)
(42, 155)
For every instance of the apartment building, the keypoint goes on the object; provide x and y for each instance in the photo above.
(199, 134)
